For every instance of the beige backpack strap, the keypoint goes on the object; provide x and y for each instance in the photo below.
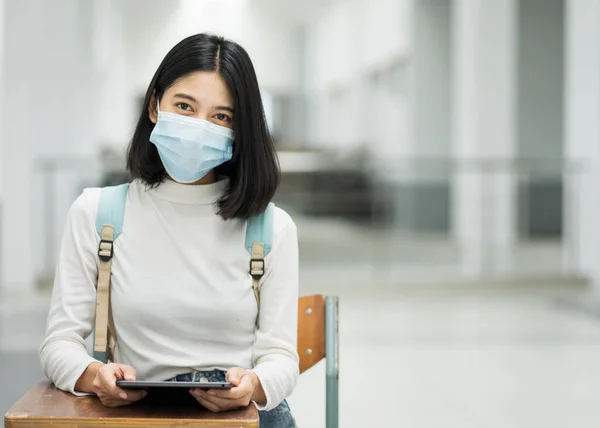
(112, 335)
(109, 226)
(259, 240)
(105, 254)
(257, 270)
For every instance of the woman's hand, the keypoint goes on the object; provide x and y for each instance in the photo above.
(105, 385)
(246, 388)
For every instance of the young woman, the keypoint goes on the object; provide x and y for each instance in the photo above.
(182, 302)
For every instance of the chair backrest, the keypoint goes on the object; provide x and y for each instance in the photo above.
(311, 330)
(318, 338)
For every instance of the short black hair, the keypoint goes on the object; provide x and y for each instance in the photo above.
(253, 170)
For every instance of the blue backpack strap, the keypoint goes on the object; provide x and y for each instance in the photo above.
(109, 225)
(259, 241)
(260, 229)
(111, 208)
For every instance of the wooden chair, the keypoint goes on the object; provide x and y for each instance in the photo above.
(44, 405)
(317, 339)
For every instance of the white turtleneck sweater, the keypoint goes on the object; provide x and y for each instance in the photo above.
(181, 293)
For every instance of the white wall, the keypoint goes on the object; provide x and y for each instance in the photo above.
(271, 43)
(49, 105)
(131, 38)
(134, 36)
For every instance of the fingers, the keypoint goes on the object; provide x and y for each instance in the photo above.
(108, 386)
(205, 403)
(126, 372)
(246, 385)
(222, 403)
(245, 388)
(110, 400)
(107, 390)
(234, 375)
(114, 391)
(116, 403)
(134, 395)
(107, 378)
(118, 397)
(232, 394)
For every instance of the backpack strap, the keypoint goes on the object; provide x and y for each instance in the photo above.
(259, 240)
(109, 225)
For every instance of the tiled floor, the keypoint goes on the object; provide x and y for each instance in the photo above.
(415, 358)
(493, 359)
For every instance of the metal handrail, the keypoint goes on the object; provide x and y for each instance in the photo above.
(438, 168)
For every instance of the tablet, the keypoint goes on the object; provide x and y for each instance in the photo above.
(142, 384)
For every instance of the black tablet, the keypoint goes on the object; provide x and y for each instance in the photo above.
(142, 384)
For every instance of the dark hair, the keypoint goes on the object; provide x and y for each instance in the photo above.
(253, 170)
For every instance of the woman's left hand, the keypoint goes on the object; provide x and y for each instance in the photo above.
(245, 387)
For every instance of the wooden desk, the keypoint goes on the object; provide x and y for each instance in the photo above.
(44, 405)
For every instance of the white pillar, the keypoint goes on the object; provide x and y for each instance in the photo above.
(48, 109)
(426, 143)
(114, 122)
(484, 55)
(582, 136)
(2, 42)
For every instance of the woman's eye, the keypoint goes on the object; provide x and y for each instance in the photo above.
(222, 117)
(184, 106)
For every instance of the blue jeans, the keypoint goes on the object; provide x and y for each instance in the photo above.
(279, 417)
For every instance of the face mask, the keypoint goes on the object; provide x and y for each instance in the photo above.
(190, 148)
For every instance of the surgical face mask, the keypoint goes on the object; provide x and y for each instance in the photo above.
(190, 148)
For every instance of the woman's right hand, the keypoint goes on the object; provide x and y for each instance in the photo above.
(105, 385)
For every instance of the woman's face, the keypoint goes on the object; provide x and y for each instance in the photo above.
(201, 95)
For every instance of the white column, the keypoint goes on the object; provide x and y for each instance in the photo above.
(484, 55)
(582, 136)
(2, 43)
(48, 109)
(427, 143)
(114, 122)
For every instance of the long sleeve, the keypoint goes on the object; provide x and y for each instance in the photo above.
(63, 353)
(275, 357)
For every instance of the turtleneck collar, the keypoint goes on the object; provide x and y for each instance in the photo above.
(193, 194)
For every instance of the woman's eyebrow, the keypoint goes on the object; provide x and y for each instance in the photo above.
(186, 97)
(224, 108)
(194, 100)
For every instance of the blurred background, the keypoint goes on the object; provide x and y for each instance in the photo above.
(441, 159)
